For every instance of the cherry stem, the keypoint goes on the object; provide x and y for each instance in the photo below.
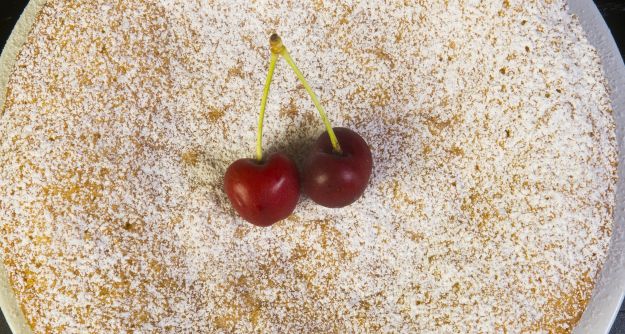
(277, 47)
(263, 104)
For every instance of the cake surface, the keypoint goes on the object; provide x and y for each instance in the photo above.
(489, 210)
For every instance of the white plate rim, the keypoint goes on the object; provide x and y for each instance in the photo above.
(609, 289)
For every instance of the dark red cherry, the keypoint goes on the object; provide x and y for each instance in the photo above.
(335, 180)
(263, 192)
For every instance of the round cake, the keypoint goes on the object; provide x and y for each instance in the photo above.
(489, 208)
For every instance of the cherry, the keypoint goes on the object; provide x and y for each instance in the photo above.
(263, 192)
(334, 179)
(338, 169)
(266, 191)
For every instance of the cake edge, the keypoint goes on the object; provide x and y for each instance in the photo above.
(12, 310)
(609, 287)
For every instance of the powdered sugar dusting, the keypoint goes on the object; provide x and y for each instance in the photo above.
(489, 209)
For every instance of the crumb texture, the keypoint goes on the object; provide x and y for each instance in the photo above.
(489, 209)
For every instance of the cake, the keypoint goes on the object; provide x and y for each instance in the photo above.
(489, 208)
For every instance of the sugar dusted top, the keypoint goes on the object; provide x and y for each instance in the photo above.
(489, 209)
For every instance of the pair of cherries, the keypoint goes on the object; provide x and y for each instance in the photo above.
(335, 174)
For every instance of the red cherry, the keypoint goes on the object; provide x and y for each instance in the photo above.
(333, 179)
(263, 192)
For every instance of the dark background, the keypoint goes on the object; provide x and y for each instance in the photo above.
(613, 12)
